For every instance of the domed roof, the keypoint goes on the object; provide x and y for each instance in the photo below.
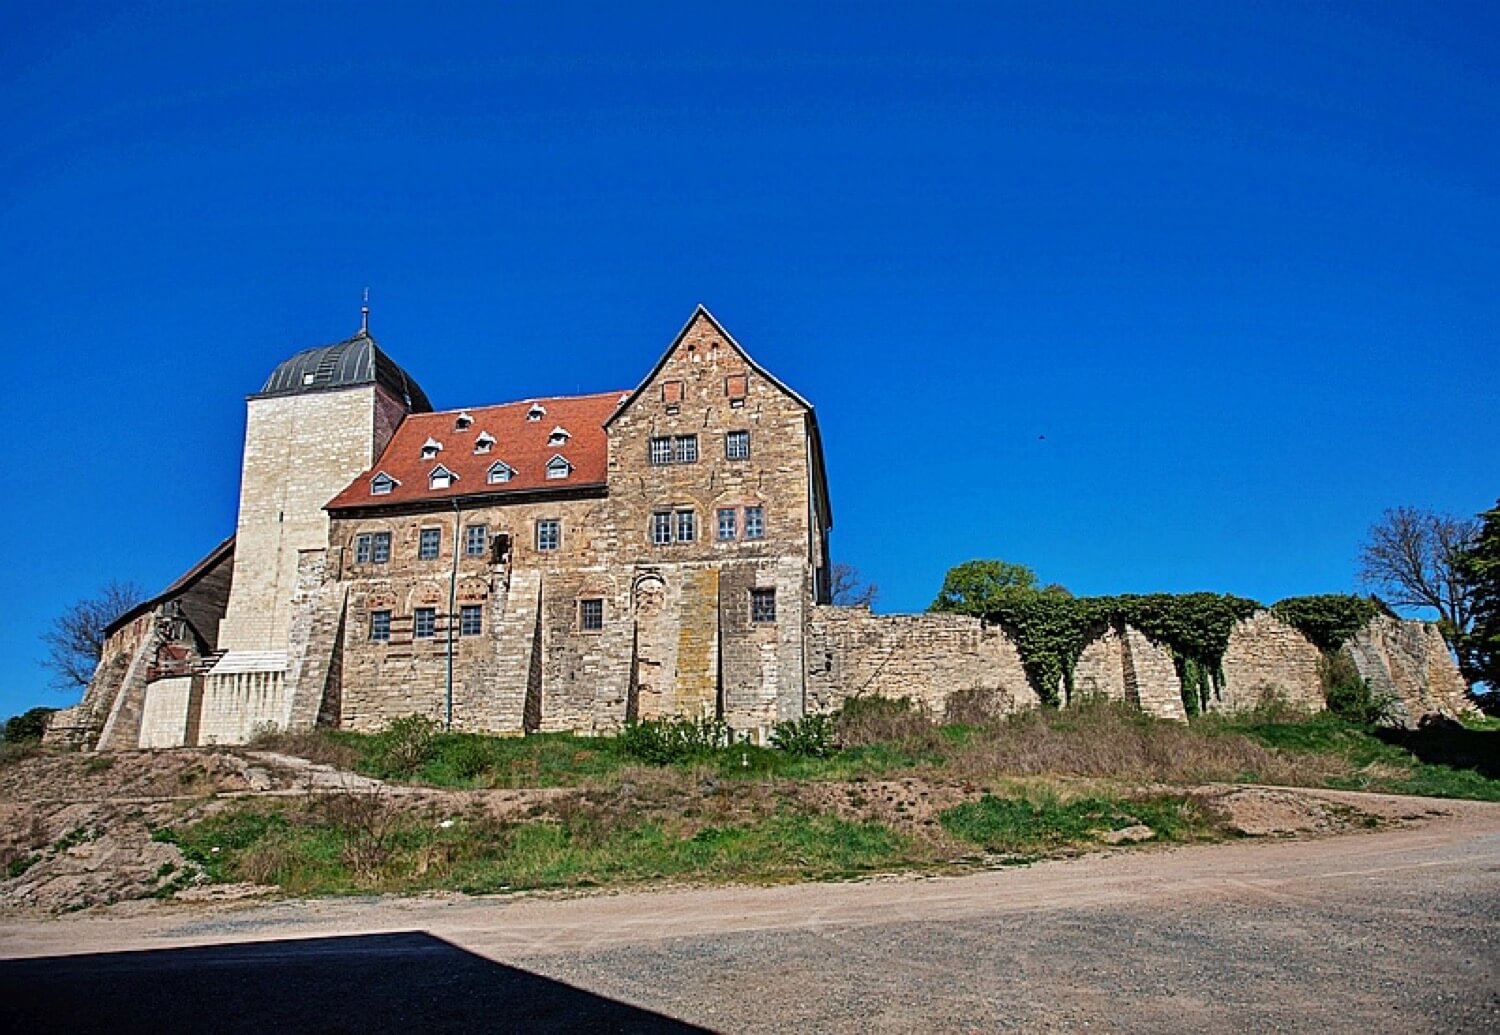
(357, 361)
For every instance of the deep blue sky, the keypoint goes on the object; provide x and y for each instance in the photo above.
(1238, 266)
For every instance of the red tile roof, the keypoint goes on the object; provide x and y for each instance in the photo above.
(520, 443)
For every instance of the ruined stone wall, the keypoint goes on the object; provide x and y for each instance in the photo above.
(1410, 663)
(1124, 664)
(1268, 658)
(926, 657)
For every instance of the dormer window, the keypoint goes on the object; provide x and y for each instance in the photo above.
(431, 448)
(558, 467)
(537, 412)
(462, 421)
(382, 484)
(441, 478)
(499, 472)
(558, 437)
(484, 443)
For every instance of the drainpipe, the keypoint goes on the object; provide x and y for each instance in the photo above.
(452, 618)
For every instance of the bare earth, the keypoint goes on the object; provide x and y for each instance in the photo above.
(1394, 930)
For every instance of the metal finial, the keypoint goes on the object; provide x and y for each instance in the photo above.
(364, 314)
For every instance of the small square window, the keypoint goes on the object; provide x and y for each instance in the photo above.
(661, 528)
(755, 522)
(685, 449)
(380, 626)
(429, 544)
(661, 451)
(476, 539)
(470, 619)
(727, 524)
(591, 615)
(685, 526)
(737, 445)
(548, 534)
(424, 623)
(762, 605)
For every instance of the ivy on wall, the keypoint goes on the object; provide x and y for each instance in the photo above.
(1329, 619)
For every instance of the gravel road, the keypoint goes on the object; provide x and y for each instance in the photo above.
(1390, 931)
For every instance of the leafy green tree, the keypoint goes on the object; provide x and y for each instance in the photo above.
(28, 726)
(978, 587)
(1481, 566)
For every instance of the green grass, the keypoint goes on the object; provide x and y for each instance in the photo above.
(1024, 828)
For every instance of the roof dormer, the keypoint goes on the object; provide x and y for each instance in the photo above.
(499, 472)
(484, 443)
(558, 437)
(558, 467)
(431, 448)
(441, 478)
(537, 412)
(382, 484)
(463, 420)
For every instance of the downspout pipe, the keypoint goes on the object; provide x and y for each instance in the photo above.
(452, 621)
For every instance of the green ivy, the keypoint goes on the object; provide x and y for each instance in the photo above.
(1051, 631)
(1328, 619)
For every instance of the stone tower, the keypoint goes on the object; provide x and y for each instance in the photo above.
(319, 421)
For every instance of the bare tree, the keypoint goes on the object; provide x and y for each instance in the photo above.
(75, 641)
(847, 588)
(1414, 558)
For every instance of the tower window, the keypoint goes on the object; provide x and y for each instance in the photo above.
(591, 615)
(424, 623)
(372, 548)
(548, 534)
(727, 524)
(661, 528)
(476, 539)
(429, 543)
(380, 626)
(686, 527)
(470, 619)
(755, 522)
(685, 449)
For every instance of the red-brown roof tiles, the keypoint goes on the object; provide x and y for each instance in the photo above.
(520, 443)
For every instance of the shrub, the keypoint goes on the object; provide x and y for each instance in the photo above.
(974, 706)
(407, 743)
(27, 727)
(863, 721)
(1351, 697)
(811, 736)
(664, 741)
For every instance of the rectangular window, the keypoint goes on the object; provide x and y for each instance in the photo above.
(429, 542)
(424, 623)
(372, 548)
(762, 605)
(727, 527)
(476, 539)
(755, 522)
(661, 528)
(591, 615)
(737, 445)
(548, 534)
(470, 619)
(380, 626)
(685, 449)
(661, 451)
(685, 527)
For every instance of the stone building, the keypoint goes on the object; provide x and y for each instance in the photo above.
(572, 563)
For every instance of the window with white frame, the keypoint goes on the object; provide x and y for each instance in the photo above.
(686, 527)
(762, 605)
(661, 527)
(382, 484)
(548, 534)
(591, 615)
(499, 472)
(685, 449)
(558, 467)
(476, 540)
(372, 548)
(470, 619)
(737, 445)
(429, 544)
(424, 623)
(661, 450)
(755, 522)
(727, 523)
(380, 626)
(441, 478)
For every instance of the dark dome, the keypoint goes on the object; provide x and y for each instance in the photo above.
(358, 361)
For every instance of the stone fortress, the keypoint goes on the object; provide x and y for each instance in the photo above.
(573, 563)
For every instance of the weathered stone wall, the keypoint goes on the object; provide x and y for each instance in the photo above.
(168, 709)
(243, 697)
(926, 657)
(1268, 658)
(1410, 663)
(1124, 664)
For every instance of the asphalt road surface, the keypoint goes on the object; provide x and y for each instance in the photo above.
(1391, 931)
